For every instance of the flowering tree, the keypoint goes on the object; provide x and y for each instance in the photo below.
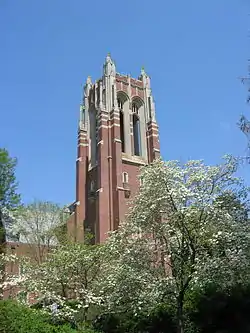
(66, 282)
(178, 234)
(8, 279)
(37, 225)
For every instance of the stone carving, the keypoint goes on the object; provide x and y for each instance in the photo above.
(109, 67)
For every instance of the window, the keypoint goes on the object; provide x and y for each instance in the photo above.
(120, 104)
(122, 131)
(135, 108)
(92, 186)
(137, 135)
(149, 107)
(104, 97)
(92, 96)
(125, 177)
(113, 96)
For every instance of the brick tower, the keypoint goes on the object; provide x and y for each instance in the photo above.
(117, 134)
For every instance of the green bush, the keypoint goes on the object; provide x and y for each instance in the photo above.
(160, 320)
(224, 311)
(16, 318)
(211, 311)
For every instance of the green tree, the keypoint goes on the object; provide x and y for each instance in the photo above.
(233, 205)
(227, 310)
(9, 199)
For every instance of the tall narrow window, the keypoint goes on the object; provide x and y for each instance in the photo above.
(122, 131)
(125, 177)
(149, 107)
(104, 97)
(120, 104)
(96, 138)
(113, 96)
(135, 108)
(96, 129)
(137, 135)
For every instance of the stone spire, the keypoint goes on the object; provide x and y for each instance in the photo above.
(145, 78)
(109, 66)
(143, 73)
(83, 119)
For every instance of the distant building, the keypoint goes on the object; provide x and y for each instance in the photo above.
(117, 134)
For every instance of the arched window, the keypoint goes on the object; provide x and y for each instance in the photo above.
(135, 108)
(136, 130)
(122, 131)
(120, 104)
(125, 177)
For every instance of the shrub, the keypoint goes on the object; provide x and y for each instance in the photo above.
(16, 318)
(160, 320)
(218, 310)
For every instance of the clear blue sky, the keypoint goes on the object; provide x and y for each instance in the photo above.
(193, 50)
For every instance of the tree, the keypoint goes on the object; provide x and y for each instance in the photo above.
(178, 234)
(244, 123)
(7, 280)
(66, 283)
(227, 310)
(238, 209)
(9, 199)
(37, 225)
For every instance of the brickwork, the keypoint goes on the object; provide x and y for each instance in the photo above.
(106, 175)
(31, 251)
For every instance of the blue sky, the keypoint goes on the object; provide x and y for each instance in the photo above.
(193, 50)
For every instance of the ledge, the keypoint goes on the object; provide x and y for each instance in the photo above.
(133, 159)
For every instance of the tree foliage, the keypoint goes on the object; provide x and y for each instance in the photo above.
(178, 235)
(8, 185)
(187, 230)
(222, 310)
(7, 281)
(38, 225)
(16, 318)
(66, 283)
(9, 199)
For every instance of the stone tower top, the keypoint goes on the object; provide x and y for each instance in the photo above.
(118, 133)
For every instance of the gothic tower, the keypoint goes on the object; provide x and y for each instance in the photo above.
(117, 134)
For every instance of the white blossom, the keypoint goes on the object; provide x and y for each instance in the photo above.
(177, 235)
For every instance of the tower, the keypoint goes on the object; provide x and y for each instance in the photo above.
(117, 134)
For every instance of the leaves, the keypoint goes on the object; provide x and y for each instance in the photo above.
(70, 273)
(8, 186)
(181, 231)
(38, 224)
(16, 318)
(187, 229)
(9, 199)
